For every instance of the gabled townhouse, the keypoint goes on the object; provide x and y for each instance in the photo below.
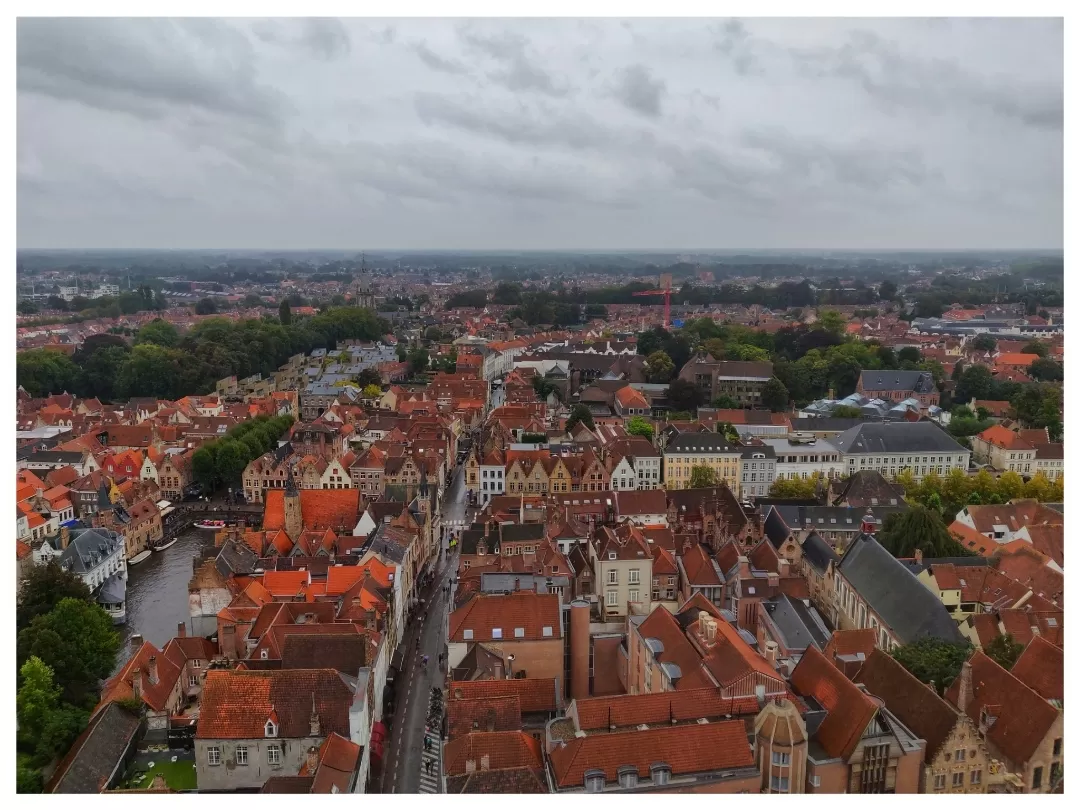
(1003, 450)
(175, 475)
(523, 628)
(367, 472)
(622, 566)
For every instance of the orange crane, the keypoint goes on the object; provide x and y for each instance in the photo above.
(664, 290)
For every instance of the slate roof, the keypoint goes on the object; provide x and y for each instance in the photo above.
(800, 625)
(94, 757)
(896, 437)
(87, 549)
(834, 518)
(921, 382)
(869, 488)
(909, 609)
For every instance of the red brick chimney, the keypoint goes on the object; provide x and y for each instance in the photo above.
(965, 696)
(136, 683)
(152, 669)
(181, 630)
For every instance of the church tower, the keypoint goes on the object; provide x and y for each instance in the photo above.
(294, 518)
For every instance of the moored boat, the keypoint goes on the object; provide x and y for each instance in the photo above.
(164, 546)
(138, 558)
(210, 524)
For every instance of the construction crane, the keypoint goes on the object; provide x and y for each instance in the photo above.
(664, 290)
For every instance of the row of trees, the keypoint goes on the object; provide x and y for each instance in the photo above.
(948, 494)
(164, 364)
(222, 462)
(937, 663)
(66, 645)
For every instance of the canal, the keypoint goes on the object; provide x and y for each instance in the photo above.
(157, 595)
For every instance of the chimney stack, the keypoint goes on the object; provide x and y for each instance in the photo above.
(152, 669)
(315, 725)
(65, 537)
(136, 683)
(772, 652)
(965, 696)
(181, 630)
(313, 758)
(135, 642)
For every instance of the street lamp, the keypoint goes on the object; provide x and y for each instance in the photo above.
(509, 667)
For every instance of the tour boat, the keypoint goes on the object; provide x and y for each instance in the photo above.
(210, 524)
(167, 545)
(138, 558)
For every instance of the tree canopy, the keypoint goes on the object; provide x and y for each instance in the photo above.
(933, 661)
(43, 588)
(683, 395)
(640, 426)
(702, 476)
(579, 414)
(659, 367)
(922, 529)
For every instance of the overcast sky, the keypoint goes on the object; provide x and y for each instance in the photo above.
(540, 134)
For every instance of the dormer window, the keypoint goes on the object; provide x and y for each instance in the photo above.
(270, 728)
(594, 781)
(628, 777)
(661, 773)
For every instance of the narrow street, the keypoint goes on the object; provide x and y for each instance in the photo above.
(404, 762)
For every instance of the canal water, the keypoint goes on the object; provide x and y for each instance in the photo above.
(157, 595)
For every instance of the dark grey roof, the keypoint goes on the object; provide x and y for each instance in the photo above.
(775, 529)
(817, 552)
(870, 488)
(1057, 507)
(834, 518)
(88, 549)
(896, 437)
(515, 532)
(702, 443)
(798, 623)
(96, 756)
(921, 382)
(236, 558)
(58, 457)
(909, 609)
(755, 449)
(836, 424)
(113, 591)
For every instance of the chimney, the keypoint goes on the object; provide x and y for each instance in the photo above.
(136, 683)
(152, 669)
(774, 580)
(772, 651)
(315, 725)
(135, 642)
(498, 666)
(964, 698)
(181, 630)
(485, 762)
(65, 537)
(313, 758)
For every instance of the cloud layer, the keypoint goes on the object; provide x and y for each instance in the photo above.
(543, 134)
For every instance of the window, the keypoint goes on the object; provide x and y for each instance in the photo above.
(635, 576)
(594, 781)
(213, 755)
(496, 632)
(781, 758)
(815, 781)
(613, 577)
(1055, 773)
(241, 755)
(270, 728)
(976, 777)
(635, 596)
(1057, 746)
(612, 598)
(193, 680)
(519, 632)
(960, 754)
(468, 634)
(779, 784)
(939, 781)
(1036, 778)
(273, 754)
(958, 779)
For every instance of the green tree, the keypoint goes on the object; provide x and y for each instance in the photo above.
(43, 588)
(831, 321)
(984, 343)
(887, 291)
(774, 395)
(975, 382)
(683, 395)
(372, 391)
(1004, 649)
(933, 661)
(1046, 370)
(205, 306)
(45, 371)
(1009, 486)
(909, 354)
(369, 376)
(158, 332)
(640, 426)
(417, 360)
(919, 528)
(251, 300)
(204, 466)
(794, 487)
(99, 372)
(660, 368)
(77, 641)
(729, 431)
(580, 414)
(846, 412)
(1035, 347)
(725, 403)
(284, 312)
(37, 699)
(231, 459)
(702, 476)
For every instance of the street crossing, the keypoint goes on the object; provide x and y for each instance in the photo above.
(431, 760)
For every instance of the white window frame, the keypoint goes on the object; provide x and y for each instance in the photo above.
(241, 755)
(213, 755)
(273, 754)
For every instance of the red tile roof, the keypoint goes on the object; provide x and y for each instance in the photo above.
(849, 709)
(502, 713)
(503, 749)
(236, 704)
(320, 508)
(534, 694)
(531, 612)
(687, 749)
(1021, 717)
(1041, 666)
(600, 713)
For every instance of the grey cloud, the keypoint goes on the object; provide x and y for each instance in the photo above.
(439, 63)
(142, 69)
(501, 133)
(637, 89)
